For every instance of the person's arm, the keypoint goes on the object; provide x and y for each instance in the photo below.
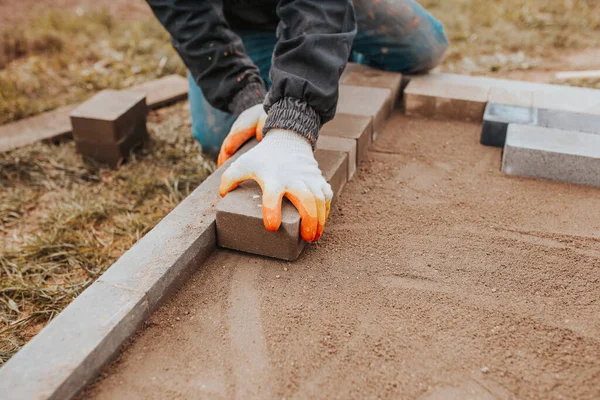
(314, 43)
(214, 54)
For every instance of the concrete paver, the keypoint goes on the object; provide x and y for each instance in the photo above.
(239, 217)
(361, 75)
(354, 127)
(569, 121)
(109, 125)
(565, 156)
(367, 102)
(443, 98)
(346, 145)
(497, 117)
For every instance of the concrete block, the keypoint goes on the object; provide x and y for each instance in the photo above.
(497, 117)
(334, 167)
(163, 91)
(110, 116)
(340, 144)
(508, 95)
(71, 350)
(566, 98)
(354, 127)
(366, 102)
(240, 223)
(444, 98)
(361, 75)
(560, 155)
(569, 121)
(163, 259)
(112, 153)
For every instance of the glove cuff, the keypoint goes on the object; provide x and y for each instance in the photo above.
(251, 95)
(294, 115)
(287, 141)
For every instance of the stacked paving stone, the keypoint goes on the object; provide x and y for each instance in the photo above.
(367, 98)
(547, 131)
(56, 124)
(109, 125)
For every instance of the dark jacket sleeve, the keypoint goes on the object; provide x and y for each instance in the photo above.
(214, 54)
(314, 42)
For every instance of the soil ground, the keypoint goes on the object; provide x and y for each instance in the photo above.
(438, 277)
(63, 221)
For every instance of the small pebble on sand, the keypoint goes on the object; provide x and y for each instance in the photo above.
(485, 370)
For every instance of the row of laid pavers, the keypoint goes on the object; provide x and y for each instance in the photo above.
(55, 124)
(547, 131)
(72, 349)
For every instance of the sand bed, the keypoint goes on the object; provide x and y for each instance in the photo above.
(438, 277)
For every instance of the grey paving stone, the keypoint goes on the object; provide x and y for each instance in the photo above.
(334, 166)
(566, 156)
(567, 98)
(497, 117)
(71, 350)
(240, 223)
(446, 96)
(340, 144)
(173, 249)
(109, 116)
(361, 75)
(511, 95)
(354, 127)
(368, 102)
(567, 120)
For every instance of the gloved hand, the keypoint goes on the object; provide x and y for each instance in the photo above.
(249, 123)
(283, 164)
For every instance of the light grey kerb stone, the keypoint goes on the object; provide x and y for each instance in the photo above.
(565, 156)
(71, 350)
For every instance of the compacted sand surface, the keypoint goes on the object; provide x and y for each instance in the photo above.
(438, 277)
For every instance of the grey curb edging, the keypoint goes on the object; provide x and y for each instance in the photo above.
(72, 349)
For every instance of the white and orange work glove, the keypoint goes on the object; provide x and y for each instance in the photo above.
(283, 164)
(249, 124)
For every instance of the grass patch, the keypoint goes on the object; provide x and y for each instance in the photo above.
(490, 36)
(60, 57)
(63, 222)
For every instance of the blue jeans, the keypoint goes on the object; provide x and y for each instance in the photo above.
(393, 35)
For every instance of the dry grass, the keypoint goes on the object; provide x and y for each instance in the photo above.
(505, 35)
(63, 222)
(60, 57)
